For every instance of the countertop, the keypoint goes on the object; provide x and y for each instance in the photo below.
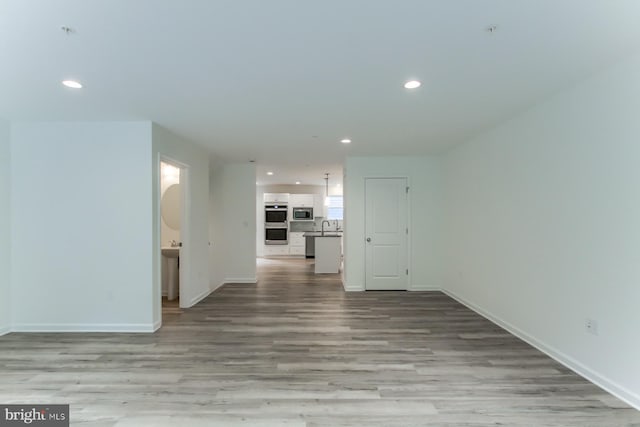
(326, 234)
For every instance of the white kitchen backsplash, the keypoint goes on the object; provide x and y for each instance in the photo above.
(297, 226)
(334, 224)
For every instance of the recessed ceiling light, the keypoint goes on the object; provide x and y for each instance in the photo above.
(412, 84)
(269, 173)
(297, 182)
(72, 84)
(346, 141)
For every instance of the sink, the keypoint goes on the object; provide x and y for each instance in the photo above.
(171, 252)
(170, 274)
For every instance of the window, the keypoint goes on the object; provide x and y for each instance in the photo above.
(335, 208)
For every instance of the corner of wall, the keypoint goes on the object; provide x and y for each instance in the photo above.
(237, 194)
(525, 203)
(598, 379)
(70, 269)
(5, 228)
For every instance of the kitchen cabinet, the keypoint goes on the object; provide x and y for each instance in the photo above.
(276, 250)
(301, 200)
(296, 238)
(296, 243)
(328, 254)
(319, 209)
(276, 198)
(296, 250)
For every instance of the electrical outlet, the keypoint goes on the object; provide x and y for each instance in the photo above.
(591, 326)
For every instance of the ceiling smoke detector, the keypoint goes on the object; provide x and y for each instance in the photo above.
(491, 29)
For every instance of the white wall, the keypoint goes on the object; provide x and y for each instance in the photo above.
(81, 231)
(195, 240)
(233, 225)
(5, 228)
(543, 226)
(217, 238)
(423, 174)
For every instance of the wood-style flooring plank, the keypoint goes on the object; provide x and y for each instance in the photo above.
(295, 350)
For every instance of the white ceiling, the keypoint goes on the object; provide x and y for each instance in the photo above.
(282, 81)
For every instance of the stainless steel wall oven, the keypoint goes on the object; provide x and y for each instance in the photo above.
(276, 236)
(276, 227)
(275, 214)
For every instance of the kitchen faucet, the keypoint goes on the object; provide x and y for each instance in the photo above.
(323, 225)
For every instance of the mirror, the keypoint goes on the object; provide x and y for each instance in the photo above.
(170, 206)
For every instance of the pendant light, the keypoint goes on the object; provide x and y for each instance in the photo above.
(326, 195)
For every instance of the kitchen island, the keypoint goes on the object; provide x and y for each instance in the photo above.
(328, 251)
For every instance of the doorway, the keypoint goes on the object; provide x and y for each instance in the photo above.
(173, 235)
(386, 234)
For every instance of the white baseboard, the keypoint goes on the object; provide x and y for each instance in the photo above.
(156, 325)
(423, 289)
(199, 298)
(214, 288)
(4, 330)
(601, 381)
(252, 280)
(84, 327)
(352, 288)
(360, 288)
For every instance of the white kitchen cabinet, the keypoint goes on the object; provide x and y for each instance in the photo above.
(301, 200)
(328, 254)
(276, 250)
(296, 250)
(296, 243)
(319, 209)
(296, 238)
(276, 198)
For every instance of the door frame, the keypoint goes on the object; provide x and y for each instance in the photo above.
(409, 225)
(185, 224)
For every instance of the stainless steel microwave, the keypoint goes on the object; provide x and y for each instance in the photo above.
(302, 214)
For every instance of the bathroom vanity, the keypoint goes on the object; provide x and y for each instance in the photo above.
(171, 276)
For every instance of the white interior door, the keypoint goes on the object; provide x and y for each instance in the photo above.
(386, 234)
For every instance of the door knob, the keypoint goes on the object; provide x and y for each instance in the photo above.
(368, 239)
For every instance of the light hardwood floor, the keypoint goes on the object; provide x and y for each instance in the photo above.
(295, 350)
